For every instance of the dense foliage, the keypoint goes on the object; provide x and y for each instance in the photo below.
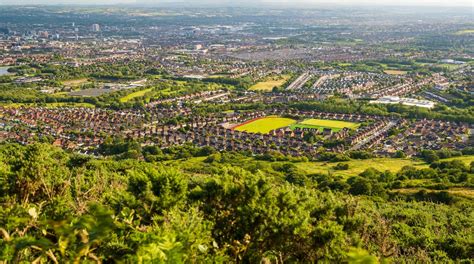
(224, 207)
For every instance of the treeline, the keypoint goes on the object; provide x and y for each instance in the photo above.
(59, 207)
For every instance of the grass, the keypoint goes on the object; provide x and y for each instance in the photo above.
(266, 124)
(270, 83)
(358, 166)
(135, 95)
(465, 32)
(320, 124)
(395, 72)
(462, 192)
(75, 82)
(449, 67)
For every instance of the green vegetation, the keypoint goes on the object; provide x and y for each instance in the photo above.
(320, 124)
(395, 72)
(270, 83)
(135, 95)
(358, 166)
(265, 125)
(225, 207)
(465, 32)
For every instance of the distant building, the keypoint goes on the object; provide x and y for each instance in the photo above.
(43, 34)
(95, 27)
(404, 101)
(450, 61)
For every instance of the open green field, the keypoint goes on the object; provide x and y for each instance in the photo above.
(355, 166)
(449, 67)
(358, 166)
(465, 32)
(270, 83)
(320, 124)
(395, 72)
(75, 82)
(135, 95)
(266, 124)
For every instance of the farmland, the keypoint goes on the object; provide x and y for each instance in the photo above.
(320, 124)
(270, 83)
(265, 125)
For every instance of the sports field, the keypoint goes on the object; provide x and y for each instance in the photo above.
(270, 83)
(265, 125)
(320, 124)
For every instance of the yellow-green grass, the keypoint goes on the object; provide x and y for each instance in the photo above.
(131, 96)
(449, 67)
(268, 84)
(75, 82)
(266, 124)
(395, 72)
(60, 94)
(344, 64)
(465, 32)
(320, 124)
(358, 166)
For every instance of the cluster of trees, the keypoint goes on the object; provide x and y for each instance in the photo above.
(59, 207)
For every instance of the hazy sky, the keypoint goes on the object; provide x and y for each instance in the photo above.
(468, 3)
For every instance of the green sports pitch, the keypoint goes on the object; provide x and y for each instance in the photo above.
(267, 124)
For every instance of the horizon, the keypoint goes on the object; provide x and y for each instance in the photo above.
(245, 3)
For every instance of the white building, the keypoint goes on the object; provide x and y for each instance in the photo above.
(404, 101)
(95, 27)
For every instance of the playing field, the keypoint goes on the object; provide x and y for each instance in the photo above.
(270, 83)
(320, 124)
(265, 125)
(135, 95)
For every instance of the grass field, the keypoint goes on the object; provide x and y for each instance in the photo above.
(395, 72)
(465, 32)
(75, 82)
(270, 83)
(358, 166)
(449, 67)
(320, 124)
(140, 93)
(266, 124)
